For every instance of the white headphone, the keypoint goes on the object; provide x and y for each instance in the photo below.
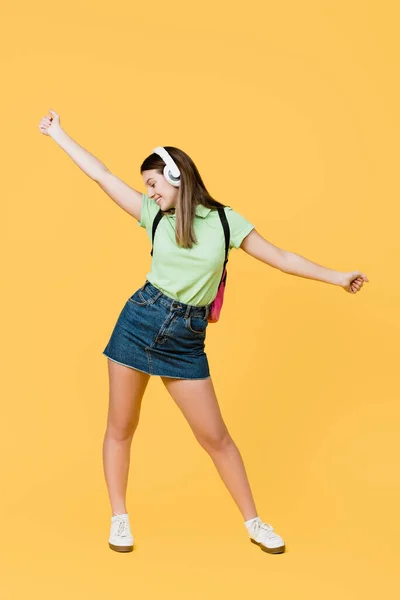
(171, 172)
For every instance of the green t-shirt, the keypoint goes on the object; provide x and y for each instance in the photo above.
(191, 275)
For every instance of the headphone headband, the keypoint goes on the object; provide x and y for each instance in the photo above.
(171, 171)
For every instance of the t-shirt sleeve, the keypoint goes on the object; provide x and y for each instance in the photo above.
(148, 212)
(239, 227)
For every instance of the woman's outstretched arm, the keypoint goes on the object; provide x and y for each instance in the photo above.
(90, 165)
(295, 264)
(126, 197)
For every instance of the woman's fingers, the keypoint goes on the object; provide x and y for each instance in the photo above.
(44, 124)
(356, 285)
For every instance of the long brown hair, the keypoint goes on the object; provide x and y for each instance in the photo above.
(192, 191)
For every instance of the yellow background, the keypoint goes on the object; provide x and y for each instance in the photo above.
(290, 110)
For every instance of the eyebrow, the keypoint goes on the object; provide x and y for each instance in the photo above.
(149, 179)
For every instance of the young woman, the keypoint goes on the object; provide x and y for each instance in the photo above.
(161, 329)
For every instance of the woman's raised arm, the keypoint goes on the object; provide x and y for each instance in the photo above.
(126, 197)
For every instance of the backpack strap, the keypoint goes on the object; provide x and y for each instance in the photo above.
(156, 221)
(225, 225)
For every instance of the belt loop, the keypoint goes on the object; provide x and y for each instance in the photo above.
(207, 311)
(187, 312)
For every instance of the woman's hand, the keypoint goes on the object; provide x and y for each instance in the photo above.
(49, 124)
(353, 282)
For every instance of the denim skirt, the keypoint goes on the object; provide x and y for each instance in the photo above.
(160, 336)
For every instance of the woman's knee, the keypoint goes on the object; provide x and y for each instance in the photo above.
(121, 432)
(215, 441)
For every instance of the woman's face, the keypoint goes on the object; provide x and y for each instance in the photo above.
(158, 188)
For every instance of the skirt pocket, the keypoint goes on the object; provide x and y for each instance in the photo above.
(139, 298)
(196, 325)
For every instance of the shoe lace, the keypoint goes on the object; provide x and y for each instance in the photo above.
(267, 530)
(123, 528)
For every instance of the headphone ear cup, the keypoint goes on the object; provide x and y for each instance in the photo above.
(168, 177)
(166, 173)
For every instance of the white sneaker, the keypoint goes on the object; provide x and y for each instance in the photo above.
(121, 539)
(264, 536)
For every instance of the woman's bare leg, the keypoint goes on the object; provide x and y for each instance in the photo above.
(126, 390)
(197, 400)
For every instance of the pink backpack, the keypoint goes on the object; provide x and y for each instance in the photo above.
(216, 305)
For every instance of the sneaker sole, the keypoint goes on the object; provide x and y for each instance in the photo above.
(120, 548)
(277, 550)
